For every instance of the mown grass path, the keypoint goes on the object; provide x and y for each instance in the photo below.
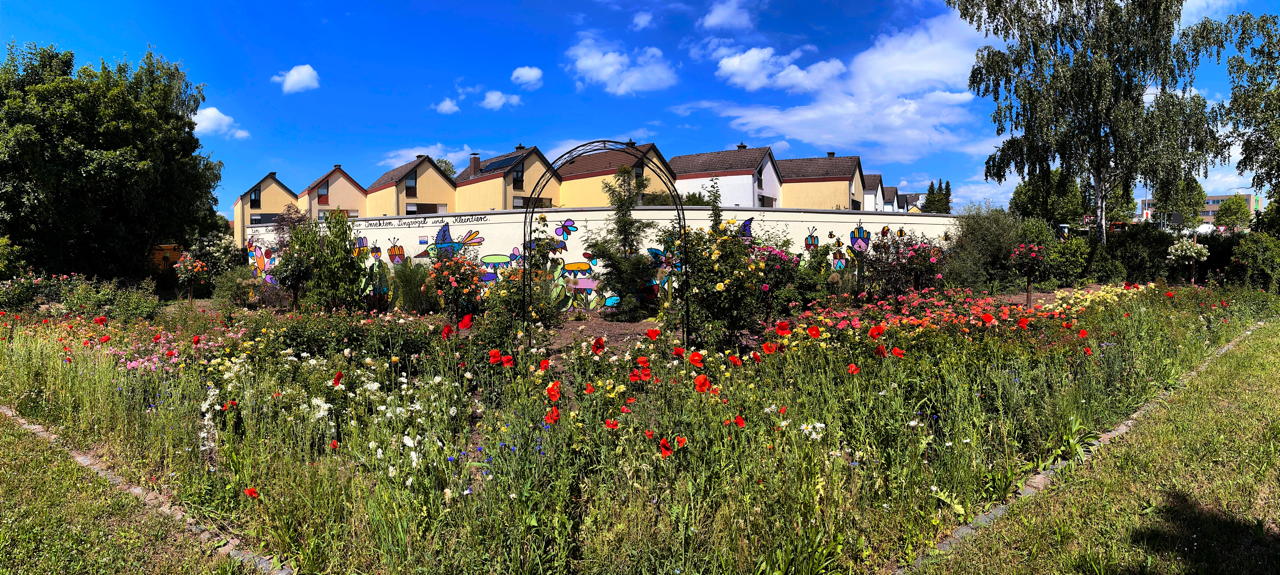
(59, 517)
(1193, 488)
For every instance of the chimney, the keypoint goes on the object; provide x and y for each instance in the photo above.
(421, 156)
(337, 166)
(271, 175)
(742, 145)
(831, 154)
(631, 143)
(475, 163)
(519, 147)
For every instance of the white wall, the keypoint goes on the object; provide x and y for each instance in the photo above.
(738, 191)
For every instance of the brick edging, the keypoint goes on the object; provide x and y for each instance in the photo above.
(1041, 481)
(152, 500)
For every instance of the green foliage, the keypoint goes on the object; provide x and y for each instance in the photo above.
(111, 299)
(376, 286)
(1052, 198)
(319, 265)
(1234, 213)
(408, 292)
(1259, 255)
(233, 288)
(445, 166)
(1184, 198)
(455, 282)
(1143, 249)
(10, 259)
(979, 254)
(1068, 260)
(895, 265)
(97, 165)
(628, 274)
(938, 199)
(1254, 109)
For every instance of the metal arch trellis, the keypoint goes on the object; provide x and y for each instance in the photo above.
(531, 209)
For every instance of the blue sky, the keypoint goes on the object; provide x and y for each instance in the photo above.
(297, 88)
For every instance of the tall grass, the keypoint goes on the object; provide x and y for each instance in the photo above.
(446, 462)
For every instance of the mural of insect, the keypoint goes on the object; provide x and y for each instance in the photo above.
(565, 229)
(811, 240)
(744, 231)
(902, 232)
(885, 231)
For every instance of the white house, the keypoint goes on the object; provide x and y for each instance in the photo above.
(748, 177)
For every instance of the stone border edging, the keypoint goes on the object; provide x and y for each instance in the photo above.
(1041, 481)
(152, 500)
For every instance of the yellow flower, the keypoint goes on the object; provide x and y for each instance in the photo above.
(720, 287)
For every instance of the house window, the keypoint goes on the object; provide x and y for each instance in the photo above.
(517, 176)
(766, 201)
(255, 198)
(322, 193)
(639, 175)
(522, 202)
(417, 209)
(411, 184)
(262, 218)
(758, 178)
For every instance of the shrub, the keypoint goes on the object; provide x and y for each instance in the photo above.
(1142, 248)
(1068, 259)
(456, 284)
(895, 265)
(1187, 253)
(234, 288)
(628, 273)
(979, 253)
(10, 259)
(408, 291)
(1259, 257)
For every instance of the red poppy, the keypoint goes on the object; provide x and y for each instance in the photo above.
(679, 351)
(854, 369)
(695, 358)
(624, 409)
(466, 322)
(100, 320)
(648, 433)
(610, 424)
(642, 361)
(631, 400)
(782, 410)
(597, 346)
(195, 340)
(755, 356)
(104, 339)
(735, 360)
(508, 361)
(1126, 314)
(898, 353)
(680, 441)
(544, 364)
(1024, 322)
(768, 348)
(170, 353)
(1168, 294)
(1083, 333)
(333, 444)
(251, 492)
(988, 318)
(552, 416)
(702, 383)
(590, 389)
(495, 356)
(653, 334)
(446, 331)
(553, 391)
(1088, 351)
(739, 421)
(814, 331)
(156, 338)
(665, 448)
(881, 351)
(783, 329)
(876, 331)
(337, 379)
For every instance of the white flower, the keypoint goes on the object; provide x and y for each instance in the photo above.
(408, 442)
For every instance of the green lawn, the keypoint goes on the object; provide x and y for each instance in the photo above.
(1193, 488)
(58, 517)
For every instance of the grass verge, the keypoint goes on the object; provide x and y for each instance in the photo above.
(58, 517)
(1194, 488)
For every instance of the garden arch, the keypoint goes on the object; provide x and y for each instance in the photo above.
(651, 168)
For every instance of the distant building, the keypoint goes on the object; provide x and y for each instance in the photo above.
(260, 204)
(1150, 212)
(747, 177)
(584, 176)
(830, 183)
(416, 187)
(506, 182)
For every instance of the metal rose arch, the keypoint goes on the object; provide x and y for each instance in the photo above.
(531, 212)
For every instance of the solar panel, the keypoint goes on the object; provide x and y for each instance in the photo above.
(498, 165)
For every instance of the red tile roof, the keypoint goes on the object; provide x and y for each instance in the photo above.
(837, 167)
(394, 175)
(606, 161)
(722, 161)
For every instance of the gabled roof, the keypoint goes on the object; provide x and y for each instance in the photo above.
(394, 175)
(890, 193)
(271, 176)
(607, 162)
(830, 168)
(911, 199)
(337, 169)
(723, 161)
(871, 181)
(502, 164)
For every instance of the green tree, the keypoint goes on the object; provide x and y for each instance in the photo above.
(10, 259)
(627, 274)
(1254, 110)
(1184, 198)
(446, 166)
(1051, 197)
(1068, 85)
(938, 198)
(946, 198)
(1233, 214)
(99, 164)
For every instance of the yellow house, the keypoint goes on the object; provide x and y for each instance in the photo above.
(584, 177)
(417, 187)
(830, 183)
(506, 182)
(336, 190)
(260, 204)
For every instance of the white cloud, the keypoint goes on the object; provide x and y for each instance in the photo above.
(495, 100)
(711, 48)
(780, 146)
(638, 135)
(907, 95)
(977, 190)
(727, 14)
(641, 20)
(527, 77)
(595, 62)
(457, 156)
(211, 121)
(298, 79)
(1195, 10)
(447, 106)
(760, 67)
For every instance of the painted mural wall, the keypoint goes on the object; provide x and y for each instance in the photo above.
(497, 237)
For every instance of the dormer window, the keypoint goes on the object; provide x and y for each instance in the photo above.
(639, 175)
(517, 176)
(758, 178)
(411, 184)
(255, 198)
(322, 193)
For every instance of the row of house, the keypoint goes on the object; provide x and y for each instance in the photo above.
(747, 177)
